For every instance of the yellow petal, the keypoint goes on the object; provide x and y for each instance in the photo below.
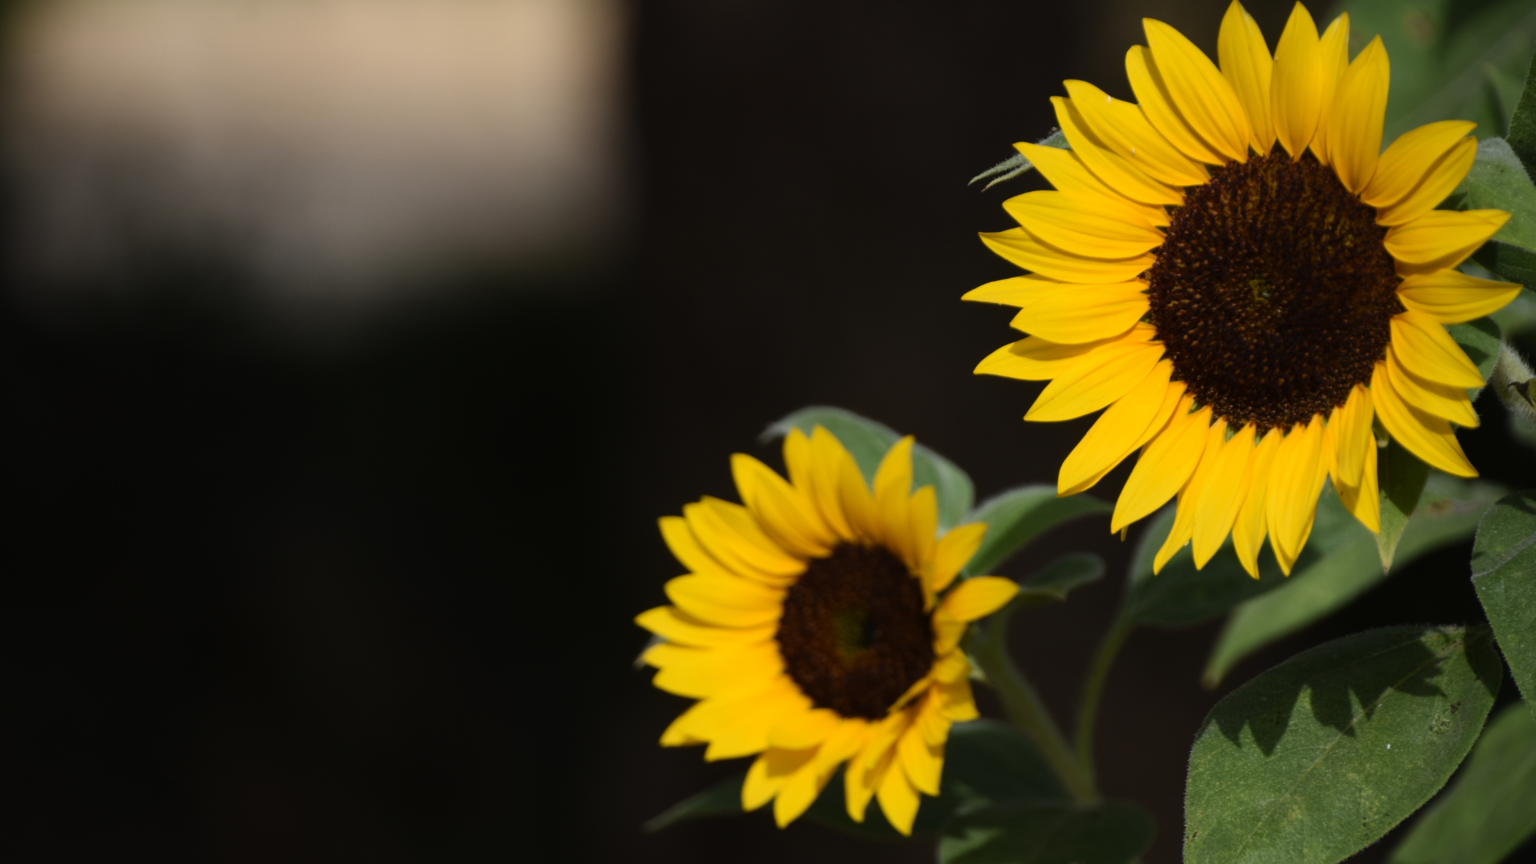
(1036, 359)
(857, 501)
(827, 458)
(1202, 96)
(780, 510)
(1364, 501)
(868, 767)
(1086, 313)
(803, 729)
(951, 667)
(1359, 107)
(893, 488)
(1017, 247)
(798, 793)
(1427, 437)
(1222, 494)
(1333, 48)
(1189, 497)
(1151, 91)
(954, 550)
(732, 536)
(1441, 238)
(1018, 291)
(741, 728)
(1452, 297)
(1426, 350)
(922, 532)
(1095, 383)
(1248, 530)
(1116, 172)
(1118, 431)
(923, 763)
(1125, 130)
(1411, 160)
(768, 774)
(1354, 435)
(1441, 180)
(1069, 174)
(1248, 67)
(726, 601)
(898, 800)
(685, 547)
(1294, 484)
(1062, 221)
(675, 625)
(1164, 466)
(1447, 403)
(956, 701)
(702, 672)
(978, 597)
(1296, 88)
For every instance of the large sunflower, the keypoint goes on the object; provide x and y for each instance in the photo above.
(1238, 273)
(815, 629)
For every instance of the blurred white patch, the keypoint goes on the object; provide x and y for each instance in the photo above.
(336, 152)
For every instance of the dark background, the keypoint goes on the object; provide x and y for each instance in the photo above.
(373, 604)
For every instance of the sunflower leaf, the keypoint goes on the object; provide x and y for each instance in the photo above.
(1440, 52)
(1508, 262)
(1491, 808)
(721, 799)
(1017, 516)
(1401, 476)
(1052, 583)
(868, 440)
(1016, 164)
(1320, 756)
(1182, 596)
(1504, 574)
(1522, 126)
(1498, 181)
(1341, 562)
(1111, 833)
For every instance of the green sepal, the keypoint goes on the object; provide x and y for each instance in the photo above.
(1114, 832)
(868, 440)
(1320, 756)
(1017, 516)
(1490, 809)
(1504, 574)
(1400, 476)
(1016, 164)
(1340, 563)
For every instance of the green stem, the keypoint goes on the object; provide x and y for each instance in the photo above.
(1025, 709)
(1093, 689)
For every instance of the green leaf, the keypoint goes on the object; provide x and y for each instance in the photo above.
(1504, 574)
(869, 440)
(1112, 833)
(1498, 180)
(1016, 164)
(1440, 52)
(1180, 595)
(1320, 756)
(1341, 562)
(1508, 262)
(1480, 340)
(1522, 126)
(984, 761)
(1020, 515)
(1490, 809)
(1051, 583)
(1401, 477)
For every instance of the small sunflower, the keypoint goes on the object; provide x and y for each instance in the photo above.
(815, 629)
(1236, 271)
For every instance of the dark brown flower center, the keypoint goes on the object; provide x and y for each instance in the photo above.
(854, 634)
(1273, 292)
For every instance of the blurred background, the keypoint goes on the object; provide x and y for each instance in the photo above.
(352, 348)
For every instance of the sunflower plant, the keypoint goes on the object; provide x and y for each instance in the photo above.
(1282, 293)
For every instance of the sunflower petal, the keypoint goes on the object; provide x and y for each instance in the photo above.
(1151, 91)
(1018, 247)
(1198, 90)
(1189, 497)
(1294, 486)
(1441, 238)
(1164, 466)
(1333, 48)
(726, 601)
(1354, 435)
(1296, 86)
(1364, 501)
(1087, 313)
(923, 763)
(1439, 400)
(978, 597)
(732, 536)
(827, 458)
(898, 800)
(1249, 529)
(954, 551)
(1359, 107)
(769, 773)
(1066, 171)
(1441, 180)
(1453, 297)
(1248, 67)
(1427, 437)
(1411, 160)
(1018, 291)
(798, 794)
(675, 625)
(1065, 222)
(1426, 350)
(780, 509)
(1222, 495)
(803, 729)
(1118, 431)
(1125, 130)
(1095, 383)
(1118, 173)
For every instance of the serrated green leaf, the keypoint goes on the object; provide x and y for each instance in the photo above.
(1340, 563)
(1020, 515)
(1400, 476)
(1522, 126)
(1112, 833)
(1490, 809)
(1320, 756)
(868, 441)
(1498, 181)
(1440, 51)
(1052, 583)
(1181, 596)
(1504, 574)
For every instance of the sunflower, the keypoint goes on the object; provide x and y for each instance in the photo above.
(815, 628)
(1243, 279)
